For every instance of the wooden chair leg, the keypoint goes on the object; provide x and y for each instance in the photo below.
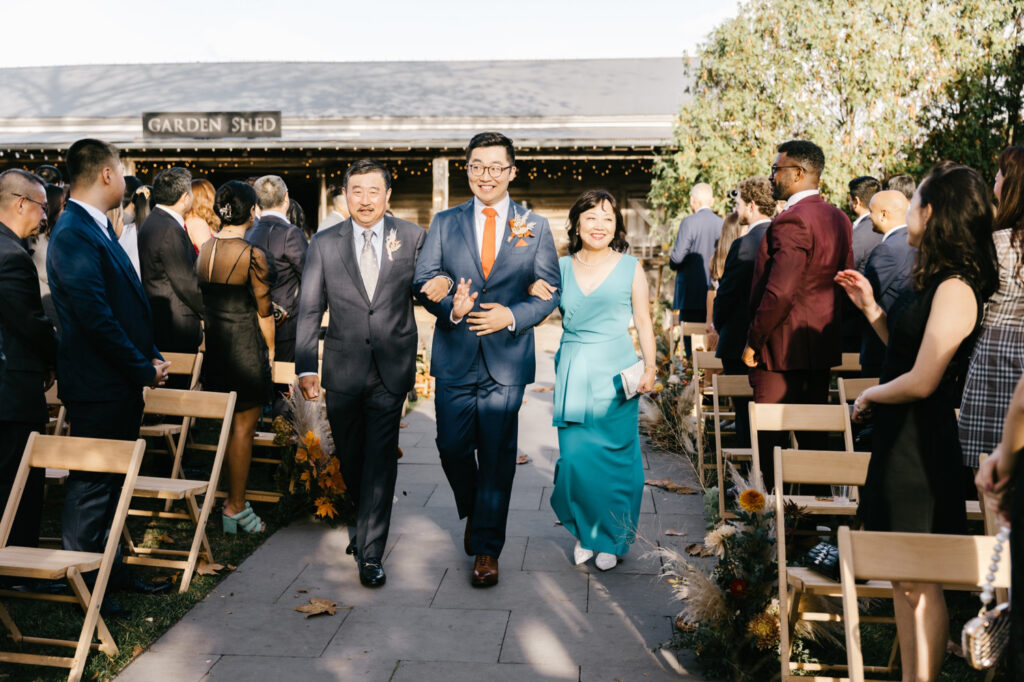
(78, 586)
(193, 511)
(8, 622)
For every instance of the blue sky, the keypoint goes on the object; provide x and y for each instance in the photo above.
(64, 32)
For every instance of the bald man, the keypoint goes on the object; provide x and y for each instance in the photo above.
(691, 257)
(888, 268)
(29, 343)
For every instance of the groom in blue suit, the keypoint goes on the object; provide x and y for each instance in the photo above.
(483, 351)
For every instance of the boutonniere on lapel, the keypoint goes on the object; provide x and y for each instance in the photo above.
(520, 228)
(392, 244)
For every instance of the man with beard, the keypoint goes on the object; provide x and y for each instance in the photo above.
(796, 307)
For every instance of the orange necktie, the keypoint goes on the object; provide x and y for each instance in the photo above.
(487, 249)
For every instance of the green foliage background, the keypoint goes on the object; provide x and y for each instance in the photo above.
(884, 86)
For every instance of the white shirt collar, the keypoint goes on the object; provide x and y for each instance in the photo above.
(703, 208)
(378, 227)
(174, 214)
(799, 196)
(280, 215)
(898, 227)
(759, 222)
(501, 207)
(861, 218)
(99, 216)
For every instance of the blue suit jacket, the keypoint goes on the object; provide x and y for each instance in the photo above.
(888, 269)
(450, 248)
(106, 342)
(691, 257)
(731, 308)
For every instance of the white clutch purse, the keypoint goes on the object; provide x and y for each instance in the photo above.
(631, 377)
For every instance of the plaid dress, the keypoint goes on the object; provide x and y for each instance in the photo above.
(998, 359)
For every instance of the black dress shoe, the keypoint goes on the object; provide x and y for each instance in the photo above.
(351, 549)
(137, 584)
(371, 573)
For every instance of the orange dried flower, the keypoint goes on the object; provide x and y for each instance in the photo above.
(752, 501)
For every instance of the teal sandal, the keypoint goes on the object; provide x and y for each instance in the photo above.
(247, 519)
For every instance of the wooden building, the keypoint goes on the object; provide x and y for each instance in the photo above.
(577, 124)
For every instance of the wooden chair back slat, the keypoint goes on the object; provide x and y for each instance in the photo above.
(180, 403)
(705, 359)
(849, 363)
(826, 467)
(792, 417)
(732, 386)
(850, 389)
(284, 372)
(95, 455)
(926, 558)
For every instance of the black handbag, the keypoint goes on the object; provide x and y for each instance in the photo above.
(823, 559)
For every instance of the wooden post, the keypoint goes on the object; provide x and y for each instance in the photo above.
(129, 165)
(322, 210)
(440, 197)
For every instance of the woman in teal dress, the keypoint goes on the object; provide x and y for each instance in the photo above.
(599, 476)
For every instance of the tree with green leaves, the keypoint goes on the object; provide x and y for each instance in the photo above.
(870, 82)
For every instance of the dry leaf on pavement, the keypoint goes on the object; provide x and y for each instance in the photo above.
(697, 549)
(523, 459)
(672, 486)
(543, 389)
(676, 533)
(318, 607)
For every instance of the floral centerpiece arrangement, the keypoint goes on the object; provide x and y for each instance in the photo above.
(730, 616)
(310, 473)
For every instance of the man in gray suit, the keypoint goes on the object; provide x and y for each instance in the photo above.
(339, 211)
(369, 362)
(864, 236)
(691, 257)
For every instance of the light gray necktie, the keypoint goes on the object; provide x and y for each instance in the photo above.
(368, 265)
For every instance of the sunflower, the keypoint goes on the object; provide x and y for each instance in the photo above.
(752, 501)
(764, 628)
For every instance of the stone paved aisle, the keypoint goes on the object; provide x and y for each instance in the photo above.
(545, 620)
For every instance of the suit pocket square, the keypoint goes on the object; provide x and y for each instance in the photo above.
(521, 242)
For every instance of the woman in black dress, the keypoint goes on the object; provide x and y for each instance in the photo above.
(235, 280)
(914, 481)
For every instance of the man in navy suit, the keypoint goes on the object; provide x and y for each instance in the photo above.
(483, 350)
(888, 268)
(691, 257)
(106, 353)
(755, 206)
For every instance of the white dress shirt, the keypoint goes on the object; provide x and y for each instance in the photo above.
(99, 216)
(892, 231)
(129, 241)
(861, 219)
(174, 214)
(800, 195)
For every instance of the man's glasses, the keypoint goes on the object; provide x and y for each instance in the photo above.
(40, 204)
(776, 169)
(495, 171)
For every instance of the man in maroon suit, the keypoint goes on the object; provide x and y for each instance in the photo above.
(796, 308)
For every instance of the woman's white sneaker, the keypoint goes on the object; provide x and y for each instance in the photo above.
(580, 555)
(606, 561)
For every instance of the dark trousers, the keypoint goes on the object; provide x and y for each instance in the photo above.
(477, 436)
(795, 386)
(365, 428)
(740, 405)
(13, 436)
(90, 499)
(284, 340)
(691, 315)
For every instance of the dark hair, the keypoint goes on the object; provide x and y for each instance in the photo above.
(806, 153)
(902, 183)
(234, 202)
(131, 183)
(364, 166)
(730, 232)
(492, 139)
(296, 216)
(334, 191)
(142, 204)
(757, 191)
(958, 236)
(87, 157)
(1010, 213)
(587, 201)
(170, 184)
(863, 188)
(50, 174)
(56, 199)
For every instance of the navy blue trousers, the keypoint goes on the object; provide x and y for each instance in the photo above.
(477, 436)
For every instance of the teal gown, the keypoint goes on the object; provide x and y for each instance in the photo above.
(599, 477)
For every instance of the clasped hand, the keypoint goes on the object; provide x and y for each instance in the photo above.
(160, 378)
(494, 317)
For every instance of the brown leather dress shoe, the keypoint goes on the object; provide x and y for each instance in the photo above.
(485, 571)
(466, 536)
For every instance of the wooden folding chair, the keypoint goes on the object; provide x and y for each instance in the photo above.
(850, 389)
(850, 363)
(726, 386)
(703, 362)
(696, 331)
(34, 563)
(188, 405)
(955, 561)
(815, 467)
(794, 417)
(175, 435)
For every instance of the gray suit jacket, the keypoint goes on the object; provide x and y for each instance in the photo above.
(691, 258)
(865, 239)
(382, 329)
